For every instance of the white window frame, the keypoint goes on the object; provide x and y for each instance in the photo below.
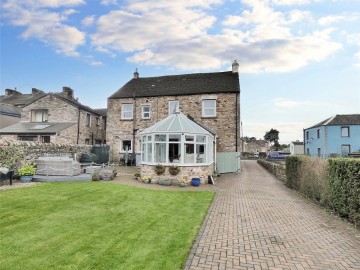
(348, 132)
(122, 150)
(125, 111)
(35, 114)
(173, 106)
(143, 112)
(88, 120)
(206, 108)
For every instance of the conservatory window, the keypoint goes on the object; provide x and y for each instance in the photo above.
(174, 148)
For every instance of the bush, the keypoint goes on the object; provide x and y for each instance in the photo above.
(95, 177)
(10, 156)
(106, 175)
(308, 176)
(344, 188)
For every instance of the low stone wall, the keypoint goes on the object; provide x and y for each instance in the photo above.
(33, 150)
(201, 172)
(278, 169)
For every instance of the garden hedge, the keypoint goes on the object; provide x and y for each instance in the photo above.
(344, 188)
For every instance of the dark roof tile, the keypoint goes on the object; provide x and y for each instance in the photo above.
(186, 84)
(340, 119)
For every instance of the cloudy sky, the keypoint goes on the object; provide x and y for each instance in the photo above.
(299, 59)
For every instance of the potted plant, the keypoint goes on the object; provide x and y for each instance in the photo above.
(27, 171)
(146, 179)
(183, 182)
(115, 172)
(174, 170)
(159, 169)
(137, 175)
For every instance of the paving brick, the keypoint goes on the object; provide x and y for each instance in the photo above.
(255, 222)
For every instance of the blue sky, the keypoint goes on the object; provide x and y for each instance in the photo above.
(299, 59)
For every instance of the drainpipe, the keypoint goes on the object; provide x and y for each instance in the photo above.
(134, 125)
(236, 122)
(78, 128)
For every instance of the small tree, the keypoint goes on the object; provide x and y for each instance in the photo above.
(272, 136)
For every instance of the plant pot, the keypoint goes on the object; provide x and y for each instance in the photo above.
(195, 182)
(26, 178)
(182, 184)
(166, 182)
(147, 181)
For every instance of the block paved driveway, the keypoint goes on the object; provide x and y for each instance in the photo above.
(255, 222)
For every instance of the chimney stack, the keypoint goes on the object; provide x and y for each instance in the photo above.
(235, 66)
(10, 92)
(35, 91)
(68, 92)
(136, 74)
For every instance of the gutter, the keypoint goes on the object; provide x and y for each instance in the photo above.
(78, 128)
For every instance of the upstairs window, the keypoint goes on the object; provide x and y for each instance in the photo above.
(173, 106)
(127, 111)
(39, 115)
(145, 112)
(209, 108)
(318, 133)
(97, 121)
(88, 120)
(345, 132)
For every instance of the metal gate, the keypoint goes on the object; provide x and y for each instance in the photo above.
(228, 162)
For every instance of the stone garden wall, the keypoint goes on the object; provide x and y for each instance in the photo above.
(201, 172)
(33, 150)
(278, 169)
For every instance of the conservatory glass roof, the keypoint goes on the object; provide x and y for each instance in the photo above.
(177, 123)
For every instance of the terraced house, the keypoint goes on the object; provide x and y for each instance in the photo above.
(211, 100)
(54, 117)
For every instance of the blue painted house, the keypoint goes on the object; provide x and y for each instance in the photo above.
(336, 136)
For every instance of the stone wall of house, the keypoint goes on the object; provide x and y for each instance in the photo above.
(201, 172)
(61, 111)
(33, 150)
(278, 169)
(224, 124)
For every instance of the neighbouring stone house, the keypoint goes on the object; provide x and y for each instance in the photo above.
(212, 100)
(252, 145)
(54, 117)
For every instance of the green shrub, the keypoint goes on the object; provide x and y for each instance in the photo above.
(344, 188)
(10, 156)
(293, 168)
(308, 176)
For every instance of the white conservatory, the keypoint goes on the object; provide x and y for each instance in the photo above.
(178, 141)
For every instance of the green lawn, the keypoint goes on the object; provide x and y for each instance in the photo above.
(98, 225)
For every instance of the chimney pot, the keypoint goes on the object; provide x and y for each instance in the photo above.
(136, 74)
(235, 66)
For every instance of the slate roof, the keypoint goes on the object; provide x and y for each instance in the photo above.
(11, 110)
(297, 143)
(102, 112)
(21, 100)
(186, 84)
(340, 119)
(36, 128)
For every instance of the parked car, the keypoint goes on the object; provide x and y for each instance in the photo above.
(276, 155)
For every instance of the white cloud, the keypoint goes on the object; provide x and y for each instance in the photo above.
(88, 21)
(176, 33)
(293, 2)
(45, 25)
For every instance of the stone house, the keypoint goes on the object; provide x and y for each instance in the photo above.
(212, 100)
(54, 117)
(252, 145)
